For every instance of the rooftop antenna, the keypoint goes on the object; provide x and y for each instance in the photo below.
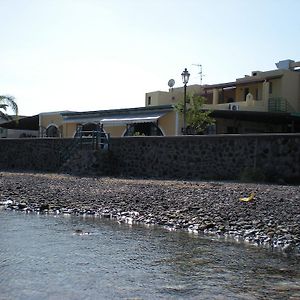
(200, 72)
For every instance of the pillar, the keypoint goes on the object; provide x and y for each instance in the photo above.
(265, 91)
(215, 96)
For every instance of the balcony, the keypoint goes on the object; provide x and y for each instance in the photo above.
(277, 104)
(250, 105)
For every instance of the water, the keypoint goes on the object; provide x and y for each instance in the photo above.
(41, 258)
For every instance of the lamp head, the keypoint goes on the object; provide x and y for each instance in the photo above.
(185, 76)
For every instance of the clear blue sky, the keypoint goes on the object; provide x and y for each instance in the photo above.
(101, 54)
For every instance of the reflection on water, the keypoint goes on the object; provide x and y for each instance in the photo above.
(42, 258)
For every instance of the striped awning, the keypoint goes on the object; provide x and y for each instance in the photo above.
(120, 120)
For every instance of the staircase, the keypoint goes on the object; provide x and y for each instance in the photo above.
(90, 162)
(79, 162)
(87, 154)
(92, 139)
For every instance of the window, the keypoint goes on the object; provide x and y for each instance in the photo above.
(147, 129)
(52, 131)
(246, 92)
(149, 100)
(270, 87)
(88, 128)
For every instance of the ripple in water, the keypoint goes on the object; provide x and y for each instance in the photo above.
(42, 258)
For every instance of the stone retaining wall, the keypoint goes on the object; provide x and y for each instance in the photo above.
(33, 154)
(273, 157)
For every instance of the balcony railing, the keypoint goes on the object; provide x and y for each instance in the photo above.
(277, 104)
(96, 139)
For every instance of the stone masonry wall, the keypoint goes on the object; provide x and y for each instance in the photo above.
(273, 157)
(33, 154)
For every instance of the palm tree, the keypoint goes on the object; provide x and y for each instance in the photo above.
(7, 102)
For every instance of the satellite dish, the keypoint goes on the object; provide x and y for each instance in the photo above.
(171, 83)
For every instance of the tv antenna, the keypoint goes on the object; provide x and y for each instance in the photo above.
(200, 72)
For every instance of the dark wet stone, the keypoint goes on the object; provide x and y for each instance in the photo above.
(215, 208)
(44, 206)
(22, 205)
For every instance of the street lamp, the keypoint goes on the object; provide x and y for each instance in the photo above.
(185, 79)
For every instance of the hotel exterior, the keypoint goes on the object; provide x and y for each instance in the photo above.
(261, 102)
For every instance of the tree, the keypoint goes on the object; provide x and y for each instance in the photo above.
(7, 102)
(197, 119)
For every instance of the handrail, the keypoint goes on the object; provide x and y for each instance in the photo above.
(97, 138)
(278, 104)
(66, 153)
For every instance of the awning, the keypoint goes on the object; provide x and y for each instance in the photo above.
(120, 120)
(27, 123)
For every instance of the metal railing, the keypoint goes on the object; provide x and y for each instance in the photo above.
(277, 104)
(84, 139)
(97, 139)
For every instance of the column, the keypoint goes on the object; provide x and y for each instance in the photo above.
(265, 91)
(215, 96)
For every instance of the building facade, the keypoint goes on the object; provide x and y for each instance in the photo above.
(262, 102)
(159, 120)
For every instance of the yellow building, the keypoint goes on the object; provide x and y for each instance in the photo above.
(266, 101)
(51, 124)
(270, 91)
(261, 102)
(152, 121)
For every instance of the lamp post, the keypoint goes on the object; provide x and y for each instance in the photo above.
(185, 79)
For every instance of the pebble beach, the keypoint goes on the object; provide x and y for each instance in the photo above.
(271, 218)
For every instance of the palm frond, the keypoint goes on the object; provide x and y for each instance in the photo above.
(8, 101)
(3, 106)
(5, 116)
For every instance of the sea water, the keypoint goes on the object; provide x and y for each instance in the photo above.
(42, 257)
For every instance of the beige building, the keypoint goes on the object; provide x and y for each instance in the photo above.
(51, 124)
(270, 91)
(263, 101)
(266, 101)
(151, 121)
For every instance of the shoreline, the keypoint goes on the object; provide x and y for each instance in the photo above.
(271, 219)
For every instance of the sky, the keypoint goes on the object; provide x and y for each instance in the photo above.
(83, 55)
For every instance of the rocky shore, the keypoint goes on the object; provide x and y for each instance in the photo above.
(271, 219)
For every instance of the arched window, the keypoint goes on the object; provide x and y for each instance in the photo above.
(88, 128)
(52, 131)
(146, 129)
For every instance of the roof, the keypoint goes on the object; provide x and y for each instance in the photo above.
(120, 110)
(240, 81)
(125, 113)
(26, 123)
